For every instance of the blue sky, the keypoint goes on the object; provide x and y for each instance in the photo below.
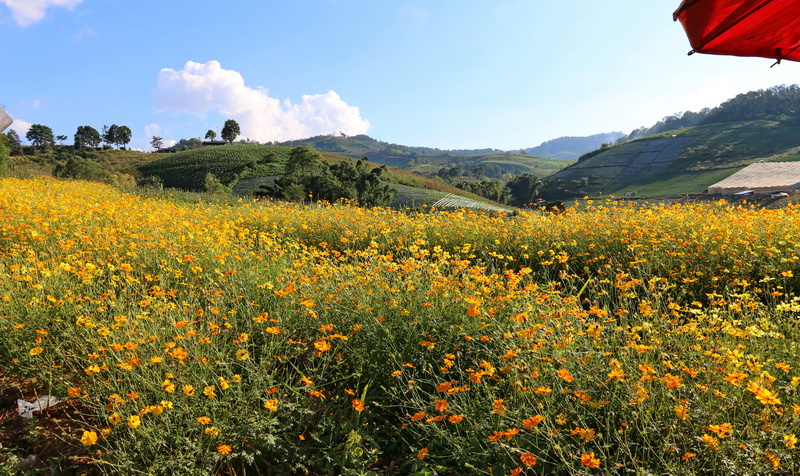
(451, 74)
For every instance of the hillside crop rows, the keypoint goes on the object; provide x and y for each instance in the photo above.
(187, 170)
(267, 337)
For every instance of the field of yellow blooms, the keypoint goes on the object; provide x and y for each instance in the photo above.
(261, 337)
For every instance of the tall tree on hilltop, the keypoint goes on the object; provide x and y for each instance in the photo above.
(40, 136)
(87, 136)
(124, 135)
(211, 135)
(117, 135)
(230, 130)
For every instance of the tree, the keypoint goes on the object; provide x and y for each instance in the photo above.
(105, 136)
(117, 135)
(211, 135)
(5, 154)
(61, 138)
(230, 130)
(40, 136)
(110, 134)
(14, 144)
(157, 143)
(523, 188)
(123, 136)
(87, 136)
(302, 160)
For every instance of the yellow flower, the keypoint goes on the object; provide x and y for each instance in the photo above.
(271, 404)
(723, 431)
(134, 421)
(115, 419)
(711, 442)
(188, 390)
(682, 412)
(790, 441)
(37, 351)
(203, 420)
(209, 391)
(168, 386)
(242, 354)
(89, 438)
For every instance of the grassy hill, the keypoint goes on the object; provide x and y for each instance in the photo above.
(514, 163)
(247, 166)
(683, 161)
(428, 161)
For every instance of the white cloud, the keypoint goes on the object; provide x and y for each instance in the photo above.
(34, 103)
(199, 89)
(28, 12)
(152, 130)
(20, 127)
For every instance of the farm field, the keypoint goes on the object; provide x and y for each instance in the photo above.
(272, 338)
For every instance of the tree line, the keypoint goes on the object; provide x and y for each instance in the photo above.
(776, 101)
(85, 137)
(307, 175)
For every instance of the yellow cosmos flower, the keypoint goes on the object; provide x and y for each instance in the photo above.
(89, 438)
(134, 421)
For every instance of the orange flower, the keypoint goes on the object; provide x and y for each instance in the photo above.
(589, 460)
(527, 459)
(586, 434)
(672, 381)
(421, 454)
(322, 345)
(358, 405)
(224, 449)
(418, 416)
(499, 407)
(203, 420)
(440, 405)
(530, 422)
(565, 375)
(455, 418)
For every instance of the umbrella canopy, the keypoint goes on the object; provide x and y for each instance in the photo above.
(5, 120)
(764, 28)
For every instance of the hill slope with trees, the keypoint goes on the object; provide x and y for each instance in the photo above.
(687, 152)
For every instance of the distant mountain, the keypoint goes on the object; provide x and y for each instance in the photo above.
(378, 151)
(572, 147)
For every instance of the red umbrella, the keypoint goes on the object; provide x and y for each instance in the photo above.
(764, 28)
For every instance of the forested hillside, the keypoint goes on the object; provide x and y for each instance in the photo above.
(776, 102)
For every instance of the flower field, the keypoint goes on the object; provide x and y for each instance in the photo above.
(274, 338)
